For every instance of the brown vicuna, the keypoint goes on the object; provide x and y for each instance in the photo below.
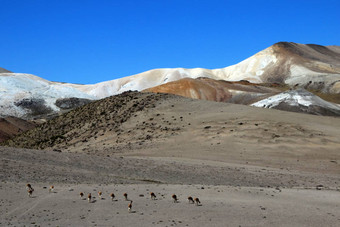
(197, 201)
(190, 199)
(29, 189)
(51, 189)
(174, 197)
(30, 192)
(152, 195)
(100, 194)
(81, 195)
(130, 206)
(28, 186)
(125, 196)
(112, 196)
(89, 197)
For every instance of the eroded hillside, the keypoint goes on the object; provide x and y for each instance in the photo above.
(102, 118)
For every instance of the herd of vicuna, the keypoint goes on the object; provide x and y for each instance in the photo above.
(112, 195)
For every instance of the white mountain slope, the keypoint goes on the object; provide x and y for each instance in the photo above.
(310, 65)
(299, 100)
(22, 94)
(251, 69)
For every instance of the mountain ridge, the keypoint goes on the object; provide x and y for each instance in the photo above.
(310, 66)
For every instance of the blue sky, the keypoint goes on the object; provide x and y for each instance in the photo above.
(93, 41)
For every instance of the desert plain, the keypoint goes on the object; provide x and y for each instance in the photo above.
(248, 166)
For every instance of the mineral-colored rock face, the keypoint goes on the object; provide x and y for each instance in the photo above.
(241, 92)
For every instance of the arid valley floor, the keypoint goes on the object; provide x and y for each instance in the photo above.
(248, 166)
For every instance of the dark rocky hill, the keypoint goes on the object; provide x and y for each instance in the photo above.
(102, 118)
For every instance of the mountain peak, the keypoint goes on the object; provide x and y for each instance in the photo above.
(310, 52)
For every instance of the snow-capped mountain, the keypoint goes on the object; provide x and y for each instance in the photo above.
(299, 100)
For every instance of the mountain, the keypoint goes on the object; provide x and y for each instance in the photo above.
(309, 66)
(301, 101)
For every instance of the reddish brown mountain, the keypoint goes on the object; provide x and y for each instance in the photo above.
(241, 92)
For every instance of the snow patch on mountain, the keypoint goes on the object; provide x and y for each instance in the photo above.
(297, 98)
(16, 87)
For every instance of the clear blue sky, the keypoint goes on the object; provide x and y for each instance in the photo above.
(89, 41)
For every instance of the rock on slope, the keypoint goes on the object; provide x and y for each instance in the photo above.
(300, 100)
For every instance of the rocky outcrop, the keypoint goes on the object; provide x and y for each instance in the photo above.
(71, 103)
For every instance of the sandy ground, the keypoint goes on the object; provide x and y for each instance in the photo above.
(248, 166)
(220, 206)
(231, 194)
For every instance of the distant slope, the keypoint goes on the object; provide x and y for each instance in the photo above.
(301, 101)
(216, 90)
(11, 126)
